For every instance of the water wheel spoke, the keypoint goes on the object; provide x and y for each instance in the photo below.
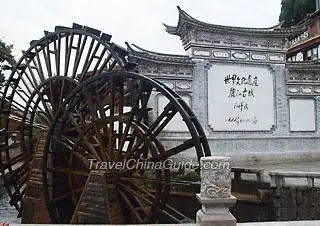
(95, 116)
(11, 162)
(155, 128)
(28, 103)
(99, 104)
(34, 80)
(22, 181)
(176, 217)
(16, 173)
(36, 89)
(66, 195)
(19, 185)
(120, 107)
(69, 171)
(65, 141)
(68, 48)
(156, 181)
(14, 199)
(92, 57)
(25, 87)
(38, 64)
(173, 151)
(133, 183)
(134, 192)
(17, 106)
(111, 65)
(75, 125)
(19, 120)
(165, 209)
(105, 63)
(87, 63)
(173, 214)
(163, 119)
(79, 51)
(132, 209)
(46, 56)
(131, 117)
(69, 148)
(91, 148)
(111, 129)
(47, 59)
(57, 50)
(141, 112)
(145, 204)
(100, 57)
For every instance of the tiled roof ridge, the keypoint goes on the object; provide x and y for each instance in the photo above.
(186, 20)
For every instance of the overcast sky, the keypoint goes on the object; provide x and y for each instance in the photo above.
(135, 21)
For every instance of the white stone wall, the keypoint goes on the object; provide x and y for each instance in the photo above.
(278, 144)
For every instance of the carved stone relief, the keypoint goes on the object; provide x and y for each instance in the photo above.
(204, 53)
(215, 177)
(276, 57)
(183, 85)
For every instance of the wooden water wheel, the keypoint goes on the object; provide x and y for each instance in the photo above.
(46, 73)
(79, 111)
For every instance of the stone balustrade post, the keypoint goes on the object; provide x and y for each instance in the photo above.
(215, 194)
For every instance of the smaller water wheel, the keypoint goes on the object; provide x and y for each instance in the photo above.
(105, 120)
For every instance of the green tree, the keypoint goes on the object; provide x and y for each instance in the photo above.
(6, 59)
(293, 11)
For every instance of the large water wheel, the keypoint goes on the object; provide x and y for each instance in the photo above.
(75, 108)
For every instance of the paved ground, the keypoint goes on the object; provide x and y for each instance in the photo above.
(311, 167)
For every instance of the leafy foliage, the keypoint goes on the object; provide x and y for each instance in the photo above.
(293, 11)
(6, 58)
(190, 176)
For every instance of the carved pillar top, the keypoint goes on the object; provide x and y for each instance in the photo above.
(215, 177)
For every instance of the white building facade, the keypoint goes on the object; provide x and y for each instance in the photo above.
(253, 105)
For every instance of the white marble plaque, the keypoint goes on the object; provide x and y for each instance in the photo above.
(184, 85)
(306, 90)
(240, 55)
(276, 58)
(220, 54)
(256, 56)
(302, 115)
(240, 98)
(201, 53)
(293, 90)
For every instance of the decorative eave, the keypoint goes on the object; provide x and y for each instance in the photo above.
(186, 22)
(313, 15)
(305, 44)
(311, 66)
(301, 78)
(144, 54)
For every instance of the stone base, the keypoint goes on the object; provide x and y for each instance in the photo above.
(215, 211)
(215, 220)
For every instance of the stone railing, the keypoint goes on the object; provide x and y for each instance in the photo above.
(278, 177)
(240, 170)
(295, 195)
